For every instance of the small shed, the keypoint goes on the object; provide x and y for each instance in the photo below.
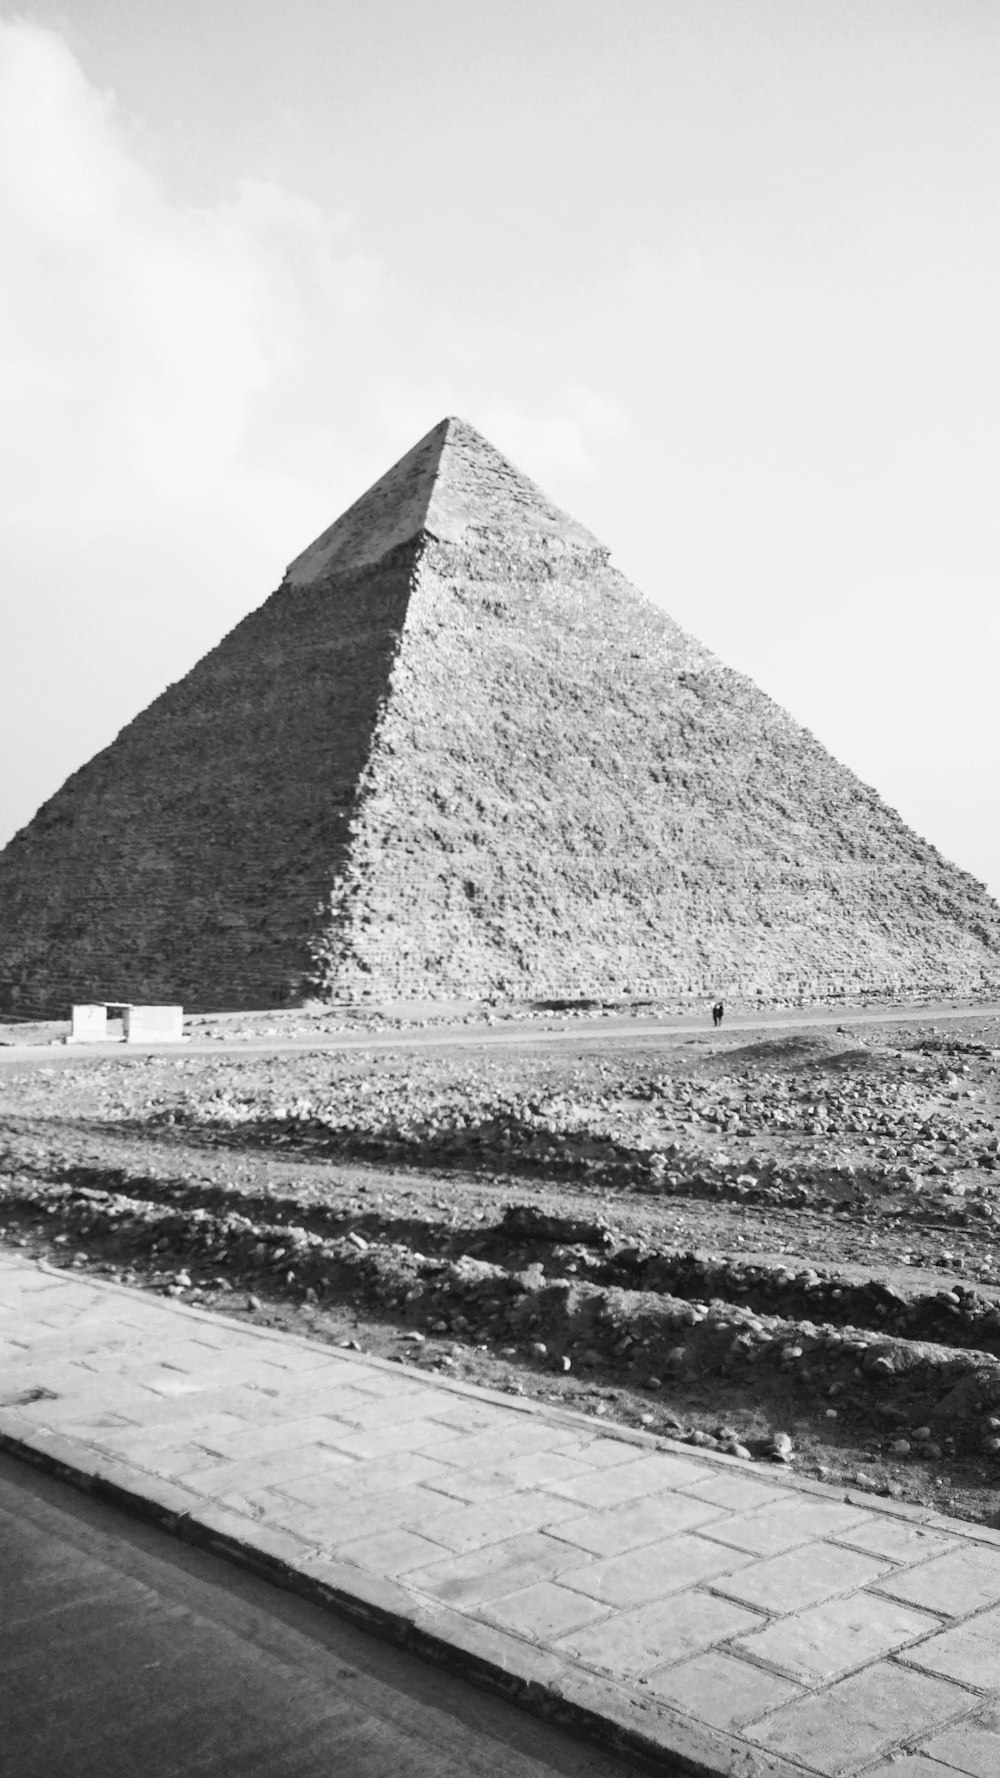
(153, 1024)
(140, 1024)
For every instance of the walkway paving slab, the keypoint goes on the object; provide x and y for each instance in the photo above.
(664, 1600)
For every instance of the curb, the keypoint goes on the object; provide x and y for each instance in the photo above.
(584, 1705)
(782, 1477)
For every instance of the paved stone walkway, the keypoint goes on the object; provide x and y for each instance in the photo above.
(740, 1620)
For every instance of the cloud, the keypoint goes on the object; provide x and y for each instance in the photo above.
(191, 393)
(241, 358)
(180, 384)
(557, 445)
(142, 340)
(595, 415)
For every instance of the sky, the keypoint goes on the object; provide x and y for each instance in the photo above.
(722, 275)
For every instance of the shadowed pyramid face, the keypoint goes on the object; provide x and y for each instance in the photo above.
(456, 754)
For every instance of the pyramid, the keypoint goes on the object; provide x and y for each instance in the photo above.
(456, 754)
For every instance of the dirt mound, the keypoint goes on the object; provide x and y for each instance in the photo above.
(778, 1261)
(793, 1052)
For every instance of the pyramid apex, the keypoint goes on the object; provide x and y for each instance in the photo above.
(451, 482)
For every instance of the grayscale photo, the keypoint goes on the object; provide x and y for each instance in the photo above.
(499, 875)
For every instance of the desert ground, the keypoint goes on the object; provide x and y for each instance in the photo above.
(779, 1239)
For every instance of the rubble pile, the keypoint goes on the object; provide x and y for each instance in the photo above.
(663, 1335)
(722, 1240)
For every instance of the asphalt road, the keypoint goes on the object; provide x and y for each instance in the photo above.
(575, 1033)
(123, 1652)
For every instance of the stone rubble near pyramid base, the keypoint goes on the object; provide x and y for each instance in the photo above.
(723, 1236)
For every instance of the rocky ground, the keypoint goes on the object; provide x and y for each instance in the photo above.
(784, 1244)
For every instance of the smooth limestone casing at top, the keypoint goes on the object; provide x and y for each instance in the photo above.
(456, 754)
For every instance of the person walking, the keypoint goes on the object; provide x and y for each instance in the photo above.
(717, 1012)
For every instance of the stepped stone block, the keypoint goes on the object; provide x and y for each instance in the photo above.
(456, 755)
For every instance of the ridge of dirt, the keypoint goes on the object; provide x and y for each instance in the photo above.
(726, 1239)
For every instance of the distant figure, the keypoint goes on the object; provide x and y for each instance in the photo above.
(717, 1012)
